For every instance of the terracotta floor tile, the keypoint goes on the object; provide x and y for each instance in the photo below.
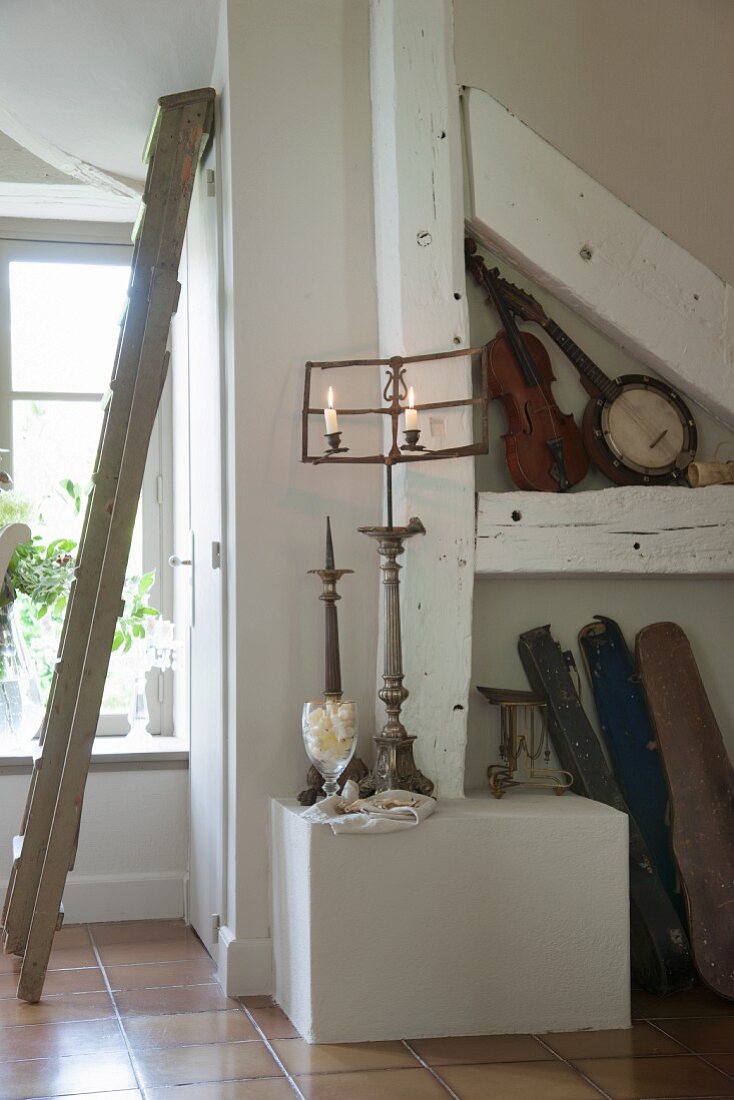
(138, 931)
(127, 1094)
(62, 959)
(274, 1023)
(480, 1048)
(698, 1001)
(64, 1076)
(57, 1040)
(270, 1088)
(258, 1002)
(86, 980)
(380, 1084)
(67, 1006)
(301, 1057)
(149, 975)
(183, 947)
(629, 1078)
(517, 1081)
(710, 1036)
(148, 1032)
(641, 1038)
(69, 958)
(72, 935)
(152, 1002)
(215, 1062)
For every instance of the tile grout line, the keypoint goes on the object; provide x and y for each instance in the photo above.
(433, 1073)
(271, 1050)
(703, 1057)
(118, 1017)
(573, 1068)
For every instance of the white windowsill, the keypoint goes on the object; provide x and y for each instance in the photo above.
(112, 752)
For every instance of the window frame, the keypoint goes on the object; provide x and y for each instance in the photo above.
(100, 243)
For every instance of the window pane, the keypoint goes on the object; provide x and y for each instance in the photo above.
(64, 321)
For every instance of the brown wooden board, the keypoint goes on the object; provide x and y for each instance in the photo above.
(701, 784)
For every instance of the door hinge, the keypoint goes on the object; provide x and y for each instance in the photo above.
(159, 488)
(211, 183)
(216, 555)
(216, 925)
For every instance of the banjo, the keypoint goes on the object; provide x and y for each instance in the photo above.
(637, 430)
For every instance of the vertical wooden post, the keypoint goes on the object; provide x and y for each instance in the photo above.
(419, 229)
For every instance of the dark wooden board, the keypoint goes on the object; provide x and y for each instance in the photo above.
(631, 744)
(701, 784)
(661, 958)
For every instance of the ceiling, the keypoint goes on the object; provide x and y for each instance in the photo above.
(80, 79)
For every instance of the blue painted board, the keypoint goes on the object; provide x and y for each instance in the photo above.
(631, 742)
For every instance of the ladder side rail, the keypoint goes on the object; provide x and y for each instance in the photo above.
(73, 781)
(62, 697)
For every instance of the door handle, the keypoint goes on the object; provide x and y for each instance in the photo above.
(175, 561)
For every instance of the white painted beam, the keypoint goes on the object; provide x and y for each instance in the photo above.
(422, 308)
(65, 201)
(563, 229)
(632, 531)
(71, 165)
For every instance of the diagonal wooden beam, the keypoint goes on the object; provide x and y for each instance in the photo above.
(533, 206)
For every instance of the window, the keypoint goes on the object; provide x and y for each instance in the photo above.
(60, 308)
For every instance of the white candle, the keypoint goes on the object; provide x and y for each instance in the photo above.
(411, 413)
(332, 424)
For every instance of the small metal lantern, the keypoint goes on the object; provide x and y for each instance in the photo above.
(523, 740)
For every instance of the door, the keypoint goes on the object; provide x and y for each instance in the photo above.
(199, 583)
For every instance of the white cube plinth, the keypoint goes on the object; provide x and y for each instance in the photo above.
(492, 917)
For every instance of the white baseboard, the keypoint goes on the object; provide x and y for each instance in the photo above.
(245, 966)
(143, 896)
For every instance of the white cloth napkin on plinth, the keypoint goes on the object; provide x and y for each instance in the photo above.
(372, 815)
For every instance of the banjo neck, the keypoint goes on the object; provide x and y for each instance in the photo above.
(585, 366)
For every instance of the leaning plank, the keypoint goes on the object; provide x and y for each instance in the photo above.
(571, 235)
(635, 530)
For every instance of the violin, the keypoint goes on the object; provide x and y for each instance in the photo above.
(544, 448)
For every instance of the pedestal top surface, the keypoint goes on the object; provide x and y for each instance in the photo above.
(515, 804)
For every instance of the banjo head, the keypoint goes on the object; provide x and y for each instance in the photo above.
(648, 428)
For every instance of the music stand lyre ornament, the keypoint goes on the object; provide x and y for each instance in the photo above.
(523, 738)
(395, 766)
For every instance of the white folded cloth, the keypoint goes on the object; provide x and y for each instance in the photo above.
(382, 813)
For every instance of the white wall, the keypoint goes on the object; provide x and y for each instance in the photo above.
(133, 843)
(637, 94)
(298, 285)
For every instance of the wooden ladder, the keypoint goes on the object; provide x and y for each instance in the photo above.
(44, 852)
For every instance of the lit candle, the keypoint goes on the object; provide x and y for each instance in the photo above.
(411, 413)
(332, 424)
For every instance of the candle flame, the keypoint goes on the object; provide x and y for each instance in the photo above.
(411, 398)
(330, 398)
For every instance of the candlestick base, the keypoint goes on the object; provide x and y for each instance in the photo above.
(334, 444)
(395, 769)
(412, 435)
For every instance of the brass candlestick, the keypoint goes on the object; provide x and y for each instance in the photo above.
(330, 576)
(332, 661)
(395, 768)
